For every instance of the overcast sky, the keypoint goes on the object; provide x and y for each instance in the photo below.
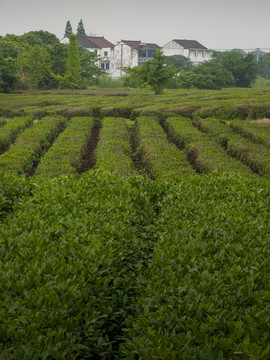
(217, 24)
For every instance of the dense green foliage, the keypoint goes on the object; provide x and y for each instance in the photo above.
(68, 29)
(106, 264)
(67, 151)
(128, 268)
(25, 152)
(113, 152)
(162, 158)
(154, 74)
(80, 29)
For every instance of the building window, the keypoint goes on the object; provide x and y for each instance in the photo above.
(105, 53)
(151, 53)
(96, 51)
(142, 53)
(107, 66)
(102, 66)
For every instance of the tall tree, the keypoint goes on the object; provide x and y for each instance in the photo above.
(179, 61)
(72, 76)
(8, 74)
(35, 67)
(68, 29)
(243, 67)
(80, 29)
(161, 72)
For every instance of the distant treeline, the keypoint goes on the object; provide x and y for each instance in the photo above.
(38, 60)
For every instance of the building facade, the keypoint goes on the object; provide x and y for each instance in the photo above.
(191, 49)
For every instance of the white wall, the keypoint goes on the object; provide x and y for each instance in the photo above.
(122, 56)
(172, 48)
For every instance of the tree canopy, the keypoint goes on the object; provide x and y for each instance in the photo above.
(80, 29)
(155, 73)
(68, 29)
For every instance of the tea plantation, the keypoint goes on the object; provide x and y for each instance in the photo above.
(135, 226)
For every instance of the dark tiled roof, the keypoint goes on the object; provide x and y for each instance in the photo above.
(190, 44)
(86, 43)
(100, 41)
(134, 44)
(149, 46)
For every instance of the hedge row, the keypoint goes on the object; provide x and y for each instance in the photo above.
(65, 157)
(25, 152)
(202, 151)
(113, 151)
(11, 129)
(256, 133)
(69, 261)
(163, 159)
(255, 156)
(205, 293)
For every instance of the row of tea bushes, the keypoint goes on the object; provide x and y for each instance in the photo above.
(11, 129)
(255, 132)
(256, 156)
(113, 151)
(70, 255)
(13, 190)
(206, 155)
(65, 157)
(3, 121)
(163, 159)
(29, 146)
(205, 293)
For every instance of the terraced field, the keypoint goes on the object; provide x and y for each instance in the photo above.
(135, 226)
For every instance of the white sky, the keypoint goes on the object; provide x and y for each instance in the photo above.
(217, 24)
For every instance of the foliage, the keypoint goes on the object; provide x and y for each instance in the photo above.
(72, 76)
(104, 81)
(264, 65)
(113, 152)
(154, 74)
(255, 156)
(243, 67)
(35, 67)
(209, 75)
(25, 152)
(10, 48)
(80, 29)
(67, 151)
(8, 74)
(255, 132)
(162, 159)
(90, 72)
(202, 150)
(11, 129)
(179, 62)
(68, 30)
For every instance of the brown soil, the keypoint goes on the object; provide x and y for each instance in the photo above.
(88, 158)
(264, 121)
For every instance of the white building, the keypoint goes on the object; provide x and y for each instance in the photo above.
(130, 53)
(191, 49)
(102, 47)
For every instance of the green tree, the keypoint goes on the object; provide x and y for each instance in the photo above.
(161, 72)
(209, 75)
(8, 74)
(80, 29)
(179, 61)
(243, 67)
(155, 73)
(35, 68)
(68, 29)
(10, 48)
(264, 65)
(89, 70)
(72, 76)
